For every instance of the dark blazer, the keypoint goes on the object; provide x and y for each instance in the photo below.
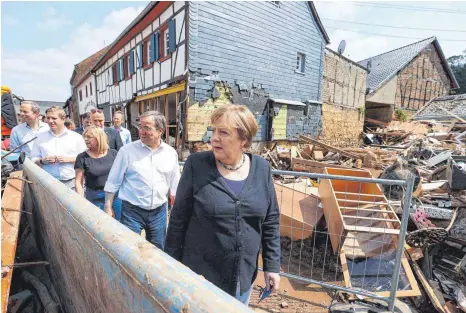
(218, 234)
(114, 139)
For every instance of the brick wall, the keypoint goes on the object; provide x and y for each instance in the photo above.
(341, 127)
(344, 82)
(422, 80)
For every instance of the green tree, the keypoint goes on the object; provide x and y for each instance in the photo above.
(458, 66)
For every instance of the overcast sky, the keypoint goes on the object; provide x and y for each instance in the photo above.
(41, 41)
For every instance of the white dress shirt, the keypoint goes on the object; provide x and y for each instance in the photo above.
(67, 144)
(22, 133)
(143, 176)
(124, 134)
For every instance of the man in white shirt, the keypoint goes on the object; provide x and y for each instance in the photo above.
(56, 150)
(143, 173)
(29, 112)
(118, 119)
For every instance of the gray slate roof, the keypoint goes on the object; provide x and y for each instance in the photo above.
(388, 64)
(455, 104)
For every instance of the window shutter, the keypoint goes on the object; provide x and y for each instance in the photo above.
(151, 48)
(172, 36)
(141, 55)
(131, 62)
(157, 46)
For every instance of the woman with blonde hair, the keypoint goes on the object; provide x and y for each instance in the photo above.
(93, 166)
(226, 209)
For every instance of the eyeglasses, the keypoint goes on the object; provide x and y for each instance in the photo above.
(96, 111)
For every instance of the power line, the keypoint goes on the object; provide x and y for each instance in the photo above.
(412, 8)
(401, 27)
(386, 35)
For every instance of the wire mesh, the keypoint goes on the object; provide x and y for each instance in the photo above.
(350, 240)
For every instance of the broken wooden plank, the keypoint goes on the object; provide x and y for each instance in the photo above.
(430, 292)
(376, 122)
(11, 213)
(329, 147)
(298, 164)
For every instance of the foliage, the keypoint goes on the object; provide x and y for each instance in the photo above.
(401, 115)
(458, 66)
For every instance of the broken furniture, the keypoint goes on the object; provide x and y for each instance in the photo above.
(299, 212)
(355, 206)
(362, 226)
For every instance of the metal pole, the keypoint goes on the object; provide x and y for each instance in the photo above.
(7, 154)
(355, 291)
(401, 241)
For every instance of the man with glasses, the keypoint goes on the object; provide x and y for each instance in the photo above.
(114, 139)
(56, 150)
(143, 174)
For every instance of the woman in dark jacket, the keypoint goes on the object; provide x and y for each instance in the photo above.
(225, 208)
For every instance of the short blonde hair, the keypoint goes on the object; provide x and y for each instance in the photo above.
(239, 117)
(100, 136)
(61, 112)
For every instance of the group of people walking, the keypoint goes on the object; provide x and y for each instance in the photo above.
(225, 210)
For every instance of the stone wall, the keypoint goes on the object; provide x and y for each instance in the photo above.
(342, 126)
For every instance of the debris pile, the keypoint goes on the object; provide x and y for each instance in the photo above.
(434, 152)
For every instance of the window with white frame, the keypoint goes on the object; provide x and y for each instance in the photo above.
(166, 42)
(301, 63)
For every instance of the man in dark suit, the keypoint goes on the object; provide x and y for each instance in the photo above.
(85, 121)
(114, 139)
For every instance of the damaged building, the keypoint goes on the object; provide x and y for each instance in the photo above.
(184, 59)
(343, 99)
(406, 78)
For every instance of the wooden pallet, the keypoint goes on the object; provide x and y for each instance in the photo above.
(355, 207)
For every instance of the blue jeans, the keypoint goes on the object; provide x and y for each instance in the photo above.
(243, 298)
(154, 222)
(97, 197)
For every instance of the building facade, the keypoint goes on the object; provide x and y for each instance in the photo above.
(407, 78)
(184, 59)
(83, 87)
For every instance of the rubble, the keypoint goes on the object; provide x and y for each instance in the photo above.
(431, 150)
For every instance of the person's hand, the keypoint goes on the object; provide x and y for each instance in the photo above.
(172, 200)
(273, 278)
(109, 211)
(61, 159)
(49, 160)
